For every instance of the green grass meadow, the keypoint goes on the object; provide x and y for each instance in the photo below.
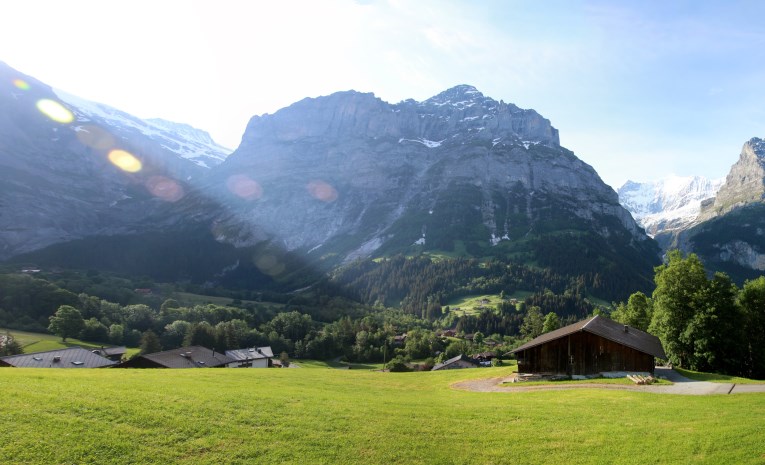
(189, 299)
(716, 378)
(473, 304)
(39, 342)
(325, 416)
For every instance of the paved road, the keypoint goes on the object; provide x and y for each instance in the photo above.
(682, 385)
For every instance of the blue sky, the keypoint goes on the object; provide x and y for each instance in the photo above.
(639, 90)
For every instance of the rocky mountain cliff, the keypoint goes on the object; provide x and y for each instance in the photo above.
(71, 168)
(319, 183)
(745, 184)
(349, 175)
(669, 204)
(730, 232)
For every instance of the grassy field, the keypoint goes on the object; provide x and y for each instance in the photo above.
(335, 364)
(474, 304)
(314, 416)
(189, 299)
(39, 342)
(715, 378)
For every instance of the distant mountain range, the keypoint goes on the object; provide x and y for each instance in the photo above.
(722, 220)
(670, 204)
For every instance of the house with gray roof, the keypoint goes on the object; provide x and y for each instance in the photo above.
(70, 357)
(592, 346)
(184, 357)
(460, 361)
(253, 357)
(112, 353)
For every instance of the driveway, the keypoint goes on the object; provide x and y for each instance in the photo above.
(682, 385)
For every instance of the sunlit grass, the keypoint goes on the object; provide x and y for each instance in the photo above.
(304, 363)
(39, 342)
(187, 298)
(473, 304)
(716, 378)
(315, 416)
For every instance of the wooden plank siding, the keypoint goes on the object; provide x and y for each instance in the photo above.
(583, 353)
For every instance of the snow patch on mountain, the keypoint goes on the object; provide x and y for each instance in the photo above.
(431, 144)
(668, 204)
(184, 140)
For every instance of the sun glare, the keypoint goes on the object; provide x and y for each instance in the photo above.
(94, 137)
(269, 264)
(164, 188)
(125, 161)
(244, 187)
(320, 190)
(55, 111)
(21, 84)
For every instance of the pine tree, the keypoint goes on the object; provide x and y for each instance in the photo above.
(150, 343)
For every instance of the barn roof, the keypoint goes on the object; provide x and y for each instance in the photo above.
(184, 357)
(70, 357)
(608, 329)
(253, 353)
(459, 357)
(111, 351)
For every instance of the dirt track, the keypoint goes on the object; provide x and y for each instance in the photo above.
(682, 385)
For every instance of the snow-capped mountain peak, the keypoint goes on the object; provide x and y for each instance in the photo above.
(667, 204)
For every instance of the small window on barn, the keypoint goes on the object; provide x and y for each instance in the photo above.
(39, 359)
(201, 362)
(77, 362)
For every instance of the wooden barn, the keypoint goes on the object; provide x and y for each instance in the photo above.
(589, 347)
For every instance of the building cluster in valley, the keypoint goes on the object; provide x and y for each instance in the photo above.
(596, 346)
(111, 357)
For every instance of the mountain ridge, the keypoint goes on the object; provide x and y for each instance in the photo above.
(346, 176)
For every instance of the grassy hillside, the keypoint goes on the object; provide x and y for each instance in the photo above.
(346, 416)
(39, 342)
(472, 304)
(189, 299)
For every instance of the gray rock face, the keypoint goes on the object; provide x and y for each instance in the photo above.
(58, 178)
(743, 254)
(337, 177)
(744, 184)
(353, 175)
(729, 234)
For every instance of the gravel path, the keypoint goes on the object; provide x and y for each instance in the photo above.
(682, 385)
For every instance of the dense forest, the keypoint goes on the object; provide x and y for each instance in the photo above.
(312, 324)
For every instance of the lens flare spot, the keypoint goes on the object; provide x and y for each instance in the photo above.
(94, 137)
(244, 187)
(165, 188)
(320, 190)
(125, 161)
(269, 264)
(55, 111)
(21, 84)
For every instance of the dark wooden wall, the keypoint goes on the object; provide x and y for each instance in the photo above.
(582, 353)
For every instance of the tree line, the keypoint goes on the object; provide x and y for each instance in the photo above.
(705, 323)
